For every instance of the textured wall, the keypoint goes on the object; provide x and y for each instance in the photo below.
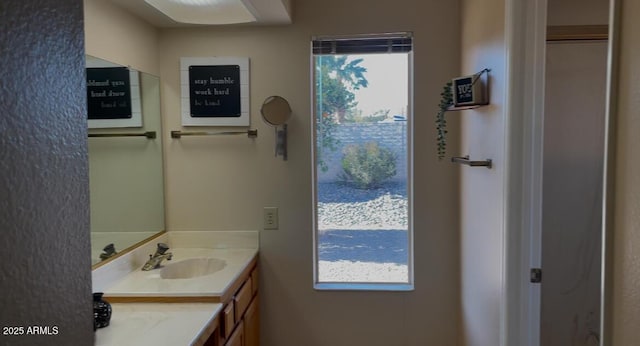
(44, 213)
(222, 183)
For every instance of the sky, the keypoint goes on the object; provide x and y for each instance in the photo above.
(388, 83)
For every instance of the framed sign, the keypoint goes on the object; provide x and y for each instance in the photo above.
(215, 91)
(113, 96)
(108, 93)
(470, 90)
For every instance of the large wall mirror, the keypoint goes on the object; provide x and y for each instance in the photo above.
(125, 161)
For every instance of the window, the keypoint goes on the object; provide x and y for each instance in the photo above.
(362, 162)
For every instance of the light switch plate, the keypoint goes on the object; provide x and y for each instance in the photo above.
(270, 218)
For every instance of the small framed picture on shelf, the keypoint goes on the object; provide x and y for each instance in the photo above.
(470, 90)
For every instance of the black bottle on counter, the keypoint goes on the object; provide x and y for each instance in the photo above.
(101, 311)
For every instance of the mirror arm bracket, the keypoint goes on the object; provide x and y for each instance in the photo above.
(281, 142)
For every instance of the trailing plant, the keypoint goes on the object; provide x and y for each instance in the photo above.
(446, 100)
(367, 165)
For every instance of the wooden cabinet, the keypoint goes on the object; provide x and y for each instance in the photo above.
(240, 320)
(237, 338)
(252, 324)
(242, 299)
(254, 281)
(228, 319)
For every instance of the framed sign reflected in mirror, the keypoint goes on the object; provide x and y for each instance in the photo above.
(113, 95)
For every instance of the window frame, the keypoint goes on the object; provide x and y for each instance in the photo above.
(365, 286)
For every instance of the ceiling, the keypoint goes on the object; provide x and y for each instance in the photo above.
(267, 12)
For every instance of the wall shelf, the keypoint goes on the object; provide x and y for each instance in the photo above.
(462, 93)
(462, 108)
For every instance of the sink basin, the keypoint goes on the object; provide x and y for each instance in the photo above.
(192, 268)
(202, 274)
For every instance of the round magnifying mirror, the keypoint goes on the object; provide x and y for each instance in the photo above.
(275, 110)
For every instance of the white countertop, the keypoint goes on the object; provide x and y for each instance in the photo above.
(154, 324)
(140, 283)
(170, 323)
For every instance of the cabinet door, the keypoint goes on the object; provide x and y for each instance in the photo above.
(213, 340)
(237, 338)
(254, 281)
(252, 324)
(228, 319)
(242, 299)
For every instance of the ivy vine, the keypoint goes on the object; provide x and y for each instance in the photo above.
(446, 100)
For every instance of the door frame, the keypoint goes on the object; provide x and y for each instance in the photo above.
(526, 50)
(606, 339)
(526, 24)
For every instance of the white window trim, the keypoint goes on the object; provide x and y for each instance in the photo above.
(366, 286)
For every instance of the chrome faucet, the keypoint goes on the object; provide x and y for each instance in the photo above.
(108, 251)
(157, 258)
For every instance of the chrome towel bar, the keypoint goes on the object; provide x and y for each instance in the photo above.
(148, 134)
(465, 161)
(249, 133)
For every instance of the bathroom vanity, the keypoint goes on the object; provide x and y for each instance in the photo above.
(206, 295)
(159, 324)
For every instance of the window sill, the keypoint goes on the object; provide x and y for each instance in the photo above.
(346, 286)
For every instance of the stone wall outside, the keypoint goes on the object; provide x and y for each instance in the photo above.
(390, 135)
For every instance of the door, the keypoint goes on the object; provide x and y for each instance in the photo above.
(573, 160)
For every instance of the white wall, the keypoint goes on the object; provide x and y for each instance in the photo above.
(116, 35)
(482, 198)
(625, 309)
(222, 183)
(578, 12)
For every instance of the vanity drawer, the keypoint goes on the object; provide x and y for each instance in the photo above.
(228, 319)
(242, 299)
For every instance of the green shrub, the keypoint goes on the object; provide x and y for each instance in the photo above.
(368, 165)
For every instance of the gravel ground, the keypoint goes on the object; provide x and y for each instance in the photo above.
(361, 233)
(348, 271)
(343, 207)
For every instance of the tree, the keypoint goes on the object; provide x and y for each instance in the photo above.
(339, 79)
(348, 72)
(355, 116)
(336, 81)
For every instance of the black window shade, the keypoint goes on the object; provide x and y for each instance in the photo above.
(395, 44)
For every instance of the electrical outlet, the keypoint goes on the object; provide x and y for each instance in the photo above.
(270, 218)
